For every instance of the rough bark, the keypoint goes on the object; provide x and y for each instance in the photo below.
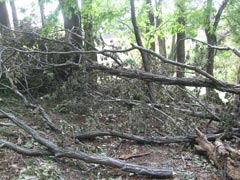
(4, 17)
(145, 58)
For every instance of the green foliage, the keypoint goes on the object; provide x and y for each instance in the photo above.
(51, 23)
(131, 62)
(232, 20)
(107, 16)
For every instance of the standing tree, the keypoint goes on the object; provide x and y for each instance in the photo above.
(160, 39)
(181, 37)
(210, 32)
(144, 55)
(88, 28)
(14, 13)
(4, 17)
(72, 21)
(151, 24)
(42, 12)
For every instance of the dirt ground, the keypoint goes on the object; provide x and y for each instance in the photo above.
(181, 157)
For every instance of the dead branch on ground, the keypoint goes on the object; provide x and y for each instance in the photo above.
(53, 149)
(153, 140)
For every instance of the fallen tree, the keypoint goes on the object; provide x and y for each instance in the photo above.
(54, 150)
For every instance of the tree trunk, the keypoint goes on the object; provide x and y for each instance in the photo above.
(145, 58)
(165, 69)
(172, 54)
(210, 32)
(161, 40)
(42, 12)
(88, 30)
(14, 14)
(4, 17)
(181, 41)
(151, 24)
(89, 43)
(72, 21)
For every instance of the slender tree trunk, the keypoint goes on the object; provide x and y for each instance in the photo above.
(165, 69)
(4, 17)
(181, 41)
(210, 32)
(172, 54)
(14, 14)
(72, 21)
(42, 12)
(161, 40)
(88, 30)
(145, 58)
(89, 43)
(151, 24)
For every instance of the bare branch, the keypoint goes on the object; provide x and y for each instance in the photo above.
(60, 152)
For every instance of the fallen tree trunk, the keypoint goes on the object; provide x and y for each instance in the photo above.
(57, 151)
(152, 140)
(146, 76)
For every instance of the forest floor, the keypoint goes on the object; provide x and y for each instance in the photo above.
(181, 157)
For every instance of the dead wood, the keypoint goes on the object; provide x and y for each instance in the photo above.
(152, 140)
(146, 76)
(46, 118)
(219, 154)
(57, 151)
(23, 150)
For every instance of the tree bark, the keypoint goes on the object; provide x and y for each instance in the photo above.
(88, 30)
(151, 24)
(210, 32)
(42, 12)
(14, 14)
(4, 17)
(145, 58)
(72, 21)
(89, 43)
(181, 40)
